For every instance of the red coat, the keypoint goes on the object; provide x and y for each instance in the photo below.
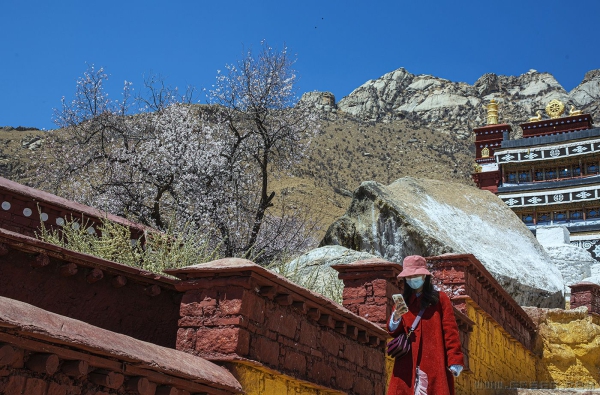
(440, 349)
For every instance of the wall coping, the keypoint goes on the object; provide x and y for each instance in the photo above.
(17, 241)
(28, 321)
(269, 283)
(584, 285)
(14, 188)
(471, 263)
(367, 268)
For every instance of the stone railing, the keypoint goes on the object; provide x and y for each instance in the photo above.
(22, 208)
(235, 310)
(585, 294)
(45, 353)
(462, 276)
(106, 294)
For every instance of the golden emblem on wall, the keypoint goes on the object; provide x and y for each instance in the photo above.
(555, 109)
(485, 153)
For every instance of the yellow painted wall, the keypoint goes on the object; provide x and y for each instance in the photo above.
(496, 360)
(571, 347)
(257, 380)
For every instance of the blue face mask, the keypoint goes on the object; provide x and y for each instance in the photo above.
(415, 283)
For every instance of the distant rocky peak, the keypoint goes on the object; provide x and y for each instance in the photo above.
(457, 107)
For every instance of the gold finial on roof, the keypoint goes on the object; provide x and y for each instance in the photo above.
(574, 112)
(492, 113)
(477, 168)
(485, 153)
(555, 108)
(538, 118)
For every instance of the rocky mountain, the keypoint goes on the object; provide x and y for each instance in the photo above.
(457, 107)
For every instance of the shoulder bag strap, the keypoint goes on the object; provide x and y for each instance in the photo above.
(416, 322)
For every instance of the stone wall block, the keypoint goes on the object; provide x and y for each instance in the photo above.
(330, 343)
(373, 312)
(294, 361)
(222, 341)
(308, 334)
(186, 339)
(265, 350)
(363, 386)
(322, 372)
(253, 307)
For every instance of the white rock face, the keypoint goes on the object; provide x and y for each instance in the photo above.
(429, 218)
(459, 107)
(575, 263)
(553, 236)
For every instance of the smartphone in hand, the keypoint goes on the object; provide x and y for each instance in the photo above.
(400, 305)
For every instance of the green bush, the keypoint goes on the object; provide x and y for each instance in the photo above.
(155, 252)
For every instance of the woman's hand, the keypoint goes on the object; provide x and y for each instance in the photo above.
(456, 370)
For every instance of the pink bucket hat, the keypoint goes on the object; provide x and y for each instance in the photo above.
(413, 265)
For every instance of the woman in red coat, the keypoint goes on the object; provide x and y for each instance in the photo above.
(435, 345)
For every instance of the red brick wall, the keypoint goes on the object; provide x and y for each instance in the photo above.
(463, 276)
(586, 294)
(368, 288)
(230, 317)
(130, 309)
(225, 321)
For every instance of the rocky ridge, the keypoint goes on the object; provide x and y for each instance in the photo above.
(458, 107)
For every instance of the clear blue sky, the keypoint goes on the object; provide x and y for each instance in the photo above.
(45, 45)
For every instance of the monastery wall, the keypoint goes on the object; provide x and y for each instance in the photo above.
(233, 309)
(102, 293)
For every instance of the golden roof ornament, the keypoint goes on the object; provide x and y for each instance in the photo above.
(492, 113)
(477, 167)
(555, 108)
(573, 112)
(538, 118)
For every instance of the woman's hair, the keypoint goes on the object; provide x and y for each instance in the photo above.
(430, 296)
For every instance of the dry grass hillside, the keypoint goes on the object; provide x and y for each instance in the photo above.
(348, 152)
(345, 153)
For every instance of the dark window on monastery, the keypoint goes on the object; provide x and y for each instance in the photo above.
(576, 215)
(539, 175)
(550, 174)
(560, 216)
(576, 171)
(527, 218)
(524, 176)
(543, 217)
(564, 172)
(593, 213)
(511, 177)
(592, 168)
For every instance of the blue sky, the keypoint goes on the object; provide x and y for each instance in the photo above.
(339, 45)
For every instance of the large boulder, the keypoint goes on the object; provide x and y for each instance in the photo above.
(429, 218)
(313, 269)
